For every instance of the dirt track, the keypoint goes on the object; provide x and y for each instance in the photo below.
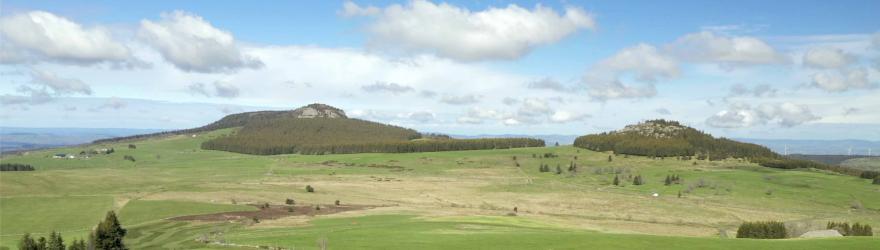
(273, 212)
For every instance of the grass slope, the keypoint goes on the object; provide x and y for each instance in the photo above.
(455, 199)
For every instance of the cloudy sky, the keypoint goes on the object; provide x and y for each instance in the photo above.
(758, 69)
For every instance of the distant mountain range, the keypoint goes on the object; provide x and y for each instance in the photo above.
(16, 139)
(819, 147)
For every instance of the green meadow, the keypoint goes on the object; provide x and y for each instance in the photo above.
(442, 200)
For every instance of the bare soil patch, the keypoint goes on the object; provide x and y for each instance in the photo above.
(273, 212)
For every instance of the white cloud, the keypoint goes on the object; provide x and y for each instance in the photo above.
(460, 100)
(44, 87)
(614, 89)
(458, 33)
(477, 115)
(39, 35)
(760, 90)
(643, 62)
(843, 81)
(565, 116)
(743, 115)
(876, 40)
(421, 116)
(192, 44)
(60, 85)
(393, 88)
(220, 89)
(548, 84)
(827, 58)
(707, 47)
(662, 111)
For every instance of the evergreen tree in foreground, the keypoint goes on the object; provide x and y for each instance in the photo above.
(55, 242)
(109, 234)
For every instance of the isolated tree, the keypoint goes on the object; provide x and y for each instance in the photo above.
(337, 202)
(616, 181)
(109, 234)
(310, 189)
(558, 169)
(609, 158)
(667, 181)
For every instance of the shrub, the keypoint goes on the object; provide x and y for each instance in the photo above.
(132, 146)
(616, 181)
(877, 180)
(869, 174)
(310, 189)
(15, 167)
(289, 201)
(337, 202)
(762, 230)
(128, 158)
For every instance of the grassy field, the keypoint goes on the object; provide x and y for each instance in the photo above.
(426, 200)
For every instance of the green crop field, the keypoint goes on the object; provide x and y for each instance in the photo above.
(442, 200)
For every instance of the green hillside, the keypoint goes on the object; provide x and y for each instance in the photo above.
(428, 200)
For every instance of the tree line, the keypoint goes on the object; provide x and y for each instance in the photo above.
(386, 147)
(762, 230)
(345, 136)
(15, 167)
(107, 235)
(856, 229)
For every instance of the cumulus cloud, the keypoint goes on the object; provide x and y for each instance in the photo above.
(827, 58)
(44, 87)
(643, 62)
(60, 85)
(39, 35)
(843, 80)
(193, 44)
(217, 89)
(393, 88)
(460, 100)
(548, 84)
(707, 47)
(743, 115)
(465, 35)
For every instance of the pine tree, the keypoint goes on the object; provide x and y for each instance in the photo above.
(558, 169)
(609, 158)
(616, 181)
(41, 243)
(109, 234)
(667, 181)
(77, 245)
(55, 242)
(27, 243)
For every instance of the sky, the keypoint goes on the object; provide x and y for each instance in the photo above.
(742, 69)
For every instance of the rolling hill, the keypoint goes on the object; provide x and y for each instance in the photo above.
(324, 129)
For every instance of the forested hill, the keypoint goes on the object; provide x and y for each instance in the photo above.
(662, 138)
(315, 110)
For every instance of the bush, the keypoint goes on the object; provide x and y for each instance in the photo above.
(877, 180)
(128, 158)
(310, 189)
(289, 201)
(762, 230)
(870, 174)
(132, 146)
(15, 167)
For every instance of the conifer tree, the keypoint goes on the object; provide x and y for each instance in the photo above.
(55, 242)
(27, 243)
(109, 234)
(616, 181)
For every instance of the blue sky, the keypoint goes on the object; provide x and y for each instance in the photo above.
(777, 69)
